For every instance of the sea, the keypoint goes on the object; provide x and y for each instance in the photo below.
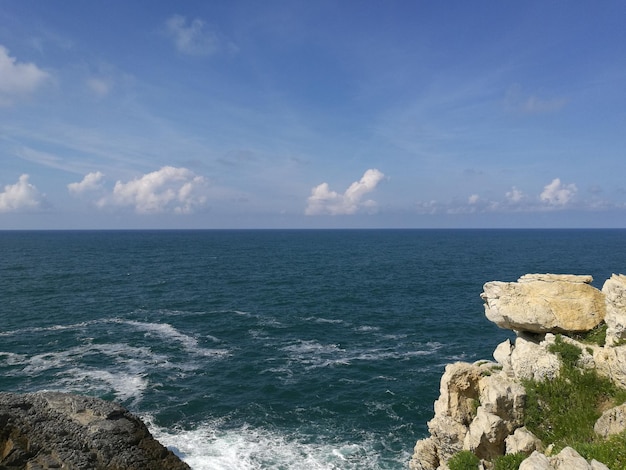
(269, 349)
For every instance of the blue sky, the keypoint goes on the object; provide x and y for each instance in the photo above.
(247, 114)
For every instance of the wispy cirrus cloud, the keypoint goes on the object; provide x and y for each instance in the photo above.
(18, 79)
(525, 103)
(325, 201)
(192, 37)
(21, 196)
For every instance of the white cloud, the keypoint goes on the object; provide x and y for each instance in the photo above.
(91, 182)
(18, 79)
(169, 189)
(99, 86)
(20, 196)
(557, 194)
(324, 201)
(192, 38)
(514, 195)
(473, 199)
(519, 101)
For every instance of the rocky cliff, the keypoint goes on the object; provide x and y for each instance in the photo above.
(50, 430)
(481, 407)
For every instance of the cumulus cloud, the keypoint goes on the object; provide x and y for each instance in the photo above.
(169, 189)
(192, 38)
(91, 182)
(514, 195)
(18, 79)
(473, 199)
(325, 201)
(20, 196)
(558, 194)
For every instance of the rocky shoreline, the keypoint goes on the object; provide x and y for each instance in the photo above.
(481, 406)
(52, 430)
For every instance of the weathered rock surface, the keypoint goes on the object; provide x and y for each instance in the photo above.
(612, 421)
(543, 303)
(51, 430)
(614, 290)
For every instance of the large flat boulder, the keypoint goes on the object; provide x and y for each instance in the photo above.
(545, 303)
(49, 430)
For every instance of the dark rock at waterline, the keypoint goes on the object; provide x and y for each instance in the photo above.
(52, 430)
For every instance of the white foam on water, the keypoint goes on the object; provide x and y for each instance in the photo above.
(43, 329)
(313, 354)
(367, 328)
(125, 386)
(167, 332)
(323, 320)
(245, 448)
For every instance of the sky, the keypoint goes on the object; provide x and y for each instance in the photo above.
(123, 114)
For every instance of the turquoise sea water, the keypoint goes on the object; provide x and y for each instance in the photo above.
(269, 349)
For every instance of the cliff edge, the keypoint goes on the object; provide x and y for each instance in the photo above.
(51, 430)
(483, 408)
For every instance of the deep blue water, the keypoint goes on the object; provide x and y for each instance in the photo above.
(269, 349)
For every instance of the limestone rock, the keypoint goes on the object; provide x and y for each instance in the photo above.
(503, 397)
(569, 459)
(486, 434)
(536, 461)
(522, 441)
(56, 430)
(611, 362)
(448, 434)
(458, 392)
(614, 290)
(530, 358)
(612, 421)
(502, 355)
(542, 303)
(425, 455)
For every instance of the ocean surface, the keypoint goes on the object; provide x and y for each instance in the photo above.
(268, 349)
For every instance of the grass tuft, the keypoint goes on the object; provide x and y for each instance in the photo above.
(464, 460)
(508, 462)
(597, 335)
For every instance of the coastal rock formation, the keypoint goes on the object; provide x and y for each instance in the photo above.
(481, 405)
(51, 430)
(614, 290)
(544, 303)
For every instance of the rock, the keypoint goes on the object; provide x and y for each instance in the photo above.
(614, 291)
(425, 455)
(448, 434)
(536, 461)
(612, 421)
(502, 355)
(522, 441)
(486, 434)
(543, 303)
(49, 430)
(569, 459)
(503, 397)
(611, 362)
(530, 358)
(458, 392)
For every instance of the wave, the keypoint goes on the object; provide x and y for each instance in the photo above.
(211, 447)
